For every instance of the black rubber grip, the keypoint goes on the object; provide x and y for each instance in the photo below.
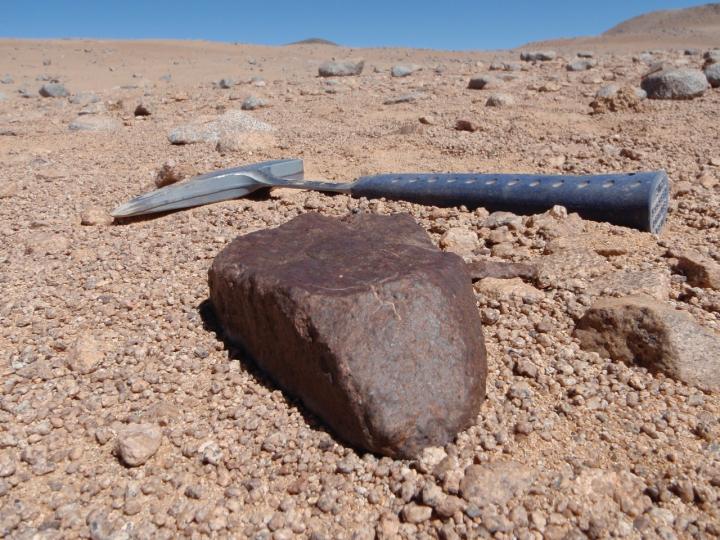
(638, 200)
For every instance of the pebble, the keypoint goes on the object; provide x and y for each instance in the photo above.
(7, 463)
(712, 73)
(495, 483)
(137, 443)
(144, 108)
(466, 125)
(416, 513)
(483, 82)
(343, 68)
(404, 98)
(538, 56)
(172, 172)
(403, 70)
(251, 103)
(500, 100)
(8, 189)
(581, 65)
(95, 215)
(85, 355)
(53, 90)
(460, 240)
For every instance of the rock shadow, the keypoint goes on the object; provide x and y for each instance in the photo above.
(237, 353)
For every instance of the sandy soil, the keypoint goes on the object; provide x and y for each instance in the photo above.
(101, 326)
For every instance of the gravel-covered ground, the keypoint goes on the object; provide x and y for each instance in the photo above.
(124, 415)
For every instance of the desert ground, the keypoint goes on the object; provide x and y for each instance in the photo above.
(102, 325)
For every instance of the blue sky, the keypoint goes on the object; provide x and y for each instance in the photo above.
(455, 25)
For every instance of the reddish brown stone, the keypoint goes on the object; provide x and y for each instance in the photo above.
(365, 320)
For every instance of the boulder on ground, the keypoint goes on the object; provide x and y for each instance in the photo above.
(712, 57)
(712, 73)
(483, 82)
(500, 100)
(251, 103)
(581, 65)
(640, 330)
(675, 84)
(403, 70)
(612, 98)
(212, 129)
(700, 271)
(345, 68)
(364, 320)
(538, 56)
(53, 90)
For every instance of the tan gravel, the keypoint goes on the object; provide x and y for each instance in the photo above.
(108, 355)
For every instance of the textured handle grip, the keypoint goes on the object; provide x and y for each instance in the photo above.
(637, 200)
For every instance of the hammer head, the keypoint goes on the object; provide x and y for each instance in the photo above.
(213, 187)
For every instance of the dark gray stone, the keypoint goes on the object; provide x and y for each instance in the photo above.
(585, 54)
(675, 84)
(712, 73)
(7, 79)
(144, 108)
(712, 57)
(581, 65)
(343, 68)
(483, 82)
(251, 103)
(365, 320)
(53, 90)
(226, 83)
(538, 56)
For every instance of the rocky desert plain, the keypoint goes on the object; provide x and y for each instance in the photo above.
(123, 412)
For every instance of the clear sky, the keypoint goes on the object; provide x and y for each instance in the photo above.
(437, 24)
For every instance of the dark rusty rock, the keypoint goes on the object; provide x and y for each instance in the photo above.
(363, 319)
(501, 270)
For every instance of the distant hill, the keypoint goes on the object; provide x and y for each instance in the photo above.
(314, 41)
(678, 28)
(689, 21)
